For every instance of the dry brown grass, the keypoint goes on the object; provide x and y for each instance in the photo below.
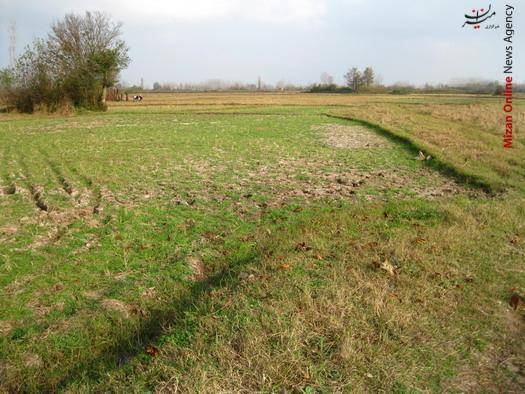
(470, 138)
(318, 312)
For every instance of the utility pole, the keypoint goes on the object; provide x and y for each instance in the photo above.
(142, 83)
(12, 43)
(259, 83)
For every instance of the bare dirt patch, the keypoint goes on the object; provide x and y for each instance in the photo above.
(87, 206)
(92, 294)
(353, 137)
(313, 180)
(198, 269)
(117, 306)
(32, 360)
(8, 229)
(5, 328)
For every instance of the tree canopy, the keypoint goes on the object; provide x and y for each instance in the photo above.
(81, 57)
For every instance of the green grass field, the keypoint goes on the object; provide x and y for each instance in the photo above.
(242, 242)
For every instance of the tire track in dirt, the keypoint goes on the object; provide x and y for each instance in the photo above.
(93, 193)
(59, 175)
(86, 201)
(35, 190)
(7, 178)
(96, 192)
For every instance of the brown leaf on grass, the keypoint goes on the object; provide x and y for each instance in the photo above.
(302, 246)
(137, 310)
(285, 266)
(149, 293)
(121, 275)
(246, 277)
(388, 267)
(515, 301)
(372, 245)
(153, 351)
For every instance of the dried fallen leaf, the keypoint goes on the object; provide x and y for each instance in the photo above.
(153, 351)
(515, 300)
(388, 267)
(285, 266)
(149, 293)
(302, 246)
(137, 310)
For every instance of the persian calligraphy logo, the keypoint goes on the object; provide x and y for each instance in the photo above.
(477, 17)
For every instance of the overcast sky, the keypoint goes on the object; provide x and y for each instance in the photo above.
(292, 40)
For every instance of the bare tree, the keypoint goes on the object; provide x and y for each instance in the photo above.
(354, 79)
(368, 77)
(12, 42)
(326, 79)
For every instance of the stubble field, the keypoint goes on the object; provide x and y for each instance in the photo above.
(263, 242)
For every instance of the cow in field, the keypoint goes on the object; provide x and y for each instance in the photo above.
(137, 98)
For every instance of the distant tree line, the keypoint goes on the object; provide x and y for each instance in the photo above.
(74, 66)
(367, 81)
(495, 88)
(356, 81)
(218, 85)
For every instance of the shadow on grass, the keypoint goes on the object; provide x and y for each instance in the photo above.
(173, 316)
(436, 163)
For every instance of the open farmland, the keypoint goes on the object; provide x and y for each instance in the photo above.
(263, 242)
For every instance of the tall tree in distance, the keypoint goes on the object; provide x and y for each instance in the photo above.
(368, 77)
(354, 79)
(89, 54)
